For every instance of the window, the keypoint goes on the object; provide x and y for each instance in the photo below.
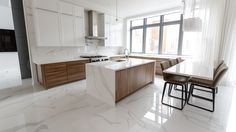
(157, 35)
(137, 22)
(137, 43)
(152, 40)
(170, 39)
(153, 20)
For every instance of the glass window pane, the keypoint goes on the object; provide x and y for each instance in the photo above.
(138, 22)
(153, 20)
(152, 40)
(137, 40)
(170, 39)
(171, 17)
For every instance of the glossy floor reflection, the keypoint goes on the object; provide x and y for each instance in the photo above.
(69, 109)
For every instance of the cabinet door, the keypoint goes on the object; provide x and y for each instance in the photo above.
(79, 31)
(149, 72)
(122, 89)
(76, 70)
(46, 4)
(67, 30)
(55, 74)
(107, 29)
(132, 77)
(66, 8)
(47, 28)
(79, 11)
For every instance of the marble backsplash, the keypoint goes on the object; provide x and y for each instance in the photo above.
(57, 53)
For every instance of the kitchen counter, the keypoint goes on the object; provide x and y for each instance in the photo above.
(121, 64)
(151, 56)
(58, 61)
(111, 81)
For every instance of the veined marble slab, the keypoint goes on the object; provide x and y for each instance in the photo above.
(117, 66)
(101, 81)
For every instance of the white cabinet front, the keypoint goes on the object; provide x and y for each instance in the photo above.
(66, 8)
(67, 30)
(46, 4)
(47, 28)
(59, 23)
(79, 31)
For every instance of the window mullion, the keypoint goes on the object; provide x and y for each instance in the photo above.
(144, 35)
(180, 44)
(161, 35)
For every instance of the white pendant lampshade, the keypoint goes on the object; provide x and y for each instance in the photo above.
(192, 24)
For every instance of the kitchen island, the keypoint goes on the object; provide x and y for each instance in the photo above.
(111, 81)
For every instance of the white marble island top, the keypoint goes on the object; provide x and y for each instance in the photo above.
(117, 65)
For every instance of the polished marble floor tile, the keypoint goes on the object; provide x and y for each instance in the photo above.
(68, 108)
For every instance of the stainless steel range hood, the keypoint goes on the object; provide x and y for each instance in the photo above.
(94, 24)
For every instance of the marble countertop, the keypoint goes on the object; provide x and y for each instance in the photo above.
(58, 61)
(152, 56)
(116, 66)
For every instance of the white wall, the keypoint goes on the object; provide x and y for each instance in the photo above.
(6, 20)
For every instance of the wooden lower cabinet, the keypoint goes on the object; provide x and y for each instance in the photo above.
(122, 88)
(76, 70)
(132, 79)
(50, 75)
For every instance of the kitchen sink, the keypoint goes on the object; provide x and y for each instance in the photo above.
(118, 60)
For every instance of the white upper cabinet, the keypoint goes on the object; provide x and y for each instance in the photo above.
(113, 31)
(67, 30)
(59, 23)
(79, 31)
(66, 8)
(79, 11)
(46, 4)
(47, 28)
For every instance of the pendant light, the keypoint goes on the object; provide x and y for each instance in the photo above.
(116, 10)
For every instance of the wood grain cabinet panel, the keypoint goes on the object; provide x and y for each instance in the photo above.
(50, 75)
(122, 89)
(132, 79)
(76, 70)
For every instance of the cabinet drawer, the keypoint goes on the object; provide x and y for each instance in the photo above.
(82, 62)
(56, 67)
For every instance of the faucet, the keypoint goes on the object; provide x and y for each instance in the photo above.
(126, 52)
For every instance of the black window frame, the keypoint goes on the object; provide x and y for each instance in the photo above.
(161, 26)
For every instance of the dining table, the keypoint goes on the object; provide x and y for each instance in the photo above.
(192, 69)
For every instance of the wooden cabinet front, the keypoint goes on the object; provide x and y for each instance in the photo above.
(130, 80)
(55, 74)
(122, 88)
(76, 70)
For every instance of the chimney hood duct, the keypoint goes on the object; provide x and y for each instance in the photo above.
(93, 23)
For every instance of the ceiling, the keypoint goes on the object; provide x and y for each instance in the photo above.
(128, 8)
